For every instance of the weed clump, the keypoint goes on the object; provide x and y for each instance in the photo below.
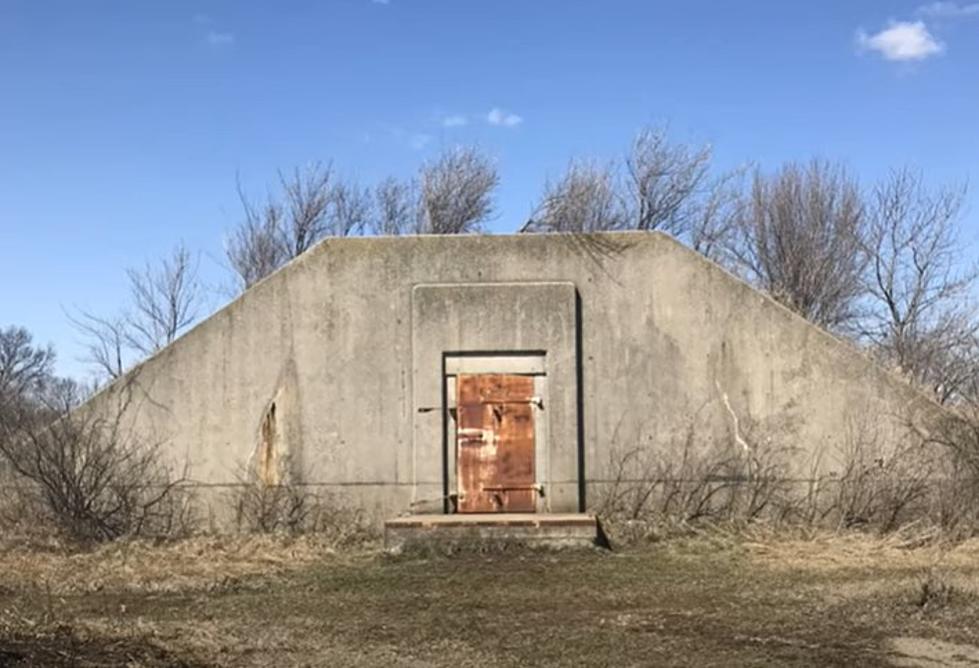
(936, 592)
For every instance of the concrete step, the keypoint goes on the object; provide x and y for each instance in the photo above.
(551, 530)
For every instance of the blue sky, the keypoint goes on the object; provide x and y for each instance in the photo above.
(123, 124)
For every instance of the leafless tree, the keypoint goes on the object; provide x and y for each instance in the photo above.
(24, 367)
(799, 235)
(664, 181)
(922, 319)
(456, 192)
(395, 207)
(312, 203)
(105, 340)
(165, 300)
(584, 199)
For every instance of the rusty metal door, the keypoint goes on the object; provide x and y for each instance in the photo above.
(495, 443)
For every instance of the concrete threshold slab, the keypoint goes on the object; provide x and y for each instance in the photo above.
(552, 530)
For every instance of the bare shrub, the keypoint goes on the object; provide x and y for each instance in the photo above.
(719, 482)
(955, 502)
(956, 433)
(23, 520)
(882, 485)
(279, 504)
(91, 476)
(261, 507)
(935, 591)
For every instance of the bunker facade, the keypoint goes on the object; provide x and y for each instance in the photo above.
(471, 374)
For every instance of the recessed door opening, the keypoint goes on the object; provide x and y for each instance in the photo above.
(495, 436)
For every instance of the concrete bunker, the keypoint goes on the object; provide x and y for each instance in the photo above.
(494, 374)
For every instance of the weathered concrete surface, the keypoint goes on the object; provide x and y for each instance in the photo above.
(644, 341)
(546, 530)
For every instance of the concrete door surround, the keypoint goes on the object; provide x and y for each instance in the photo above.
(524, 328)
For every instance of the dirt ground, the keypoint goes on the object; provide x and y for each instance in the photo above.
(713, 599)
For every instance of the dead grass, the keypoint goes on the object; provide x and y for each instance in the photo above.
(716, 597)
(195, 564)
(826, 552)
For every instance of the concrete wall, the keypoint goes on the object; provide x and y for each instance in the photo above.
(644, 341)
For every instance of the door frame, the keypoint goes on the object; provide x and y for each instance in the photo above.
(520, 363)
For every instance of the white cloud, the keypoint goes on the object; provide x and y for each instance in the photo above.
(949, 10)
(216, 39)
(381, 2)
(455, 121)
(901, 41)
(497, 116)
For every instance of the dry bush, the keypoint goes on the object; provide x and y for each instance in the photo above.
(955, 501)
(23, 521)
(653, 492)
(342, 524)
(956, 435)
(278, 504)
(911, 478)
(935, 591)
(265, 508)
(87, 473)
(297, 509)
(266, 500)
(261, 508)
(878, 484)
